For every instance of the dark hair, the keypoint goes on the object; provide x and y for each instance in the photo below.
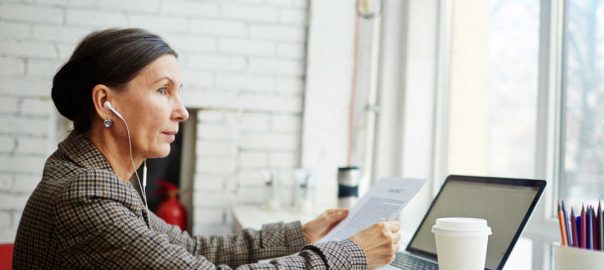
(111, 57)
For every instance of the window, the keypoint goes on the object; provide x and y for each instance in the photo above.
(519, 93)
(493, 95)
(514, 55)
(531, 59)
(494, 85)
(582, 163)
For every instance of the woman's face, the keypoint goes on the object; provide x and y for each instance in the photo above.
(152, 107)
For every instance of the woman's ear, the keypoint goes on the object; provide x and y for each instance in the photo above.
(100, 94)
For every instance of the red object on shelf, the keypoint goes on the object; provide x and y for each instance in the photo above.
(6, 256)
(171, 210)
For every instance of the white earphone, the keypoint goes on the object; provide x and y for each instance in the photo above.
(107, 105)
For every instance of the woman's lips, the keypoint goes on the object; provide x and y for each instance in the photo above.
(171, 135)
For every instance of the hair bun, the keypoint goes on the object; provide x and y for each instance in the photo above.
(69, 92)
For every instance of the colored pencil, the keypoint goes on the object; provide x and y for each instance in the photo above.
(578, 225)
(583, 228)
(594, 230)
(569, 233)
(596, 227)
(590, 239)
(601, 228)
(575, 238)
(562, 226)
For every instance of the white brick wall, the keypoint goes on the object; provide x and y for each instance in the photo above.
(42, 68)
(5, 221)
(255, 122)
(216, 63)
(59, 33)
(246, 47)
(94, 18)
(251, 13)
(30, 13)
(193, 9)
(14, 30)
(253, 159)
(7, 144)
(17, 66)
(234, 150)
(243, 66)
(278, 33)
(9, 105)
(219, 28)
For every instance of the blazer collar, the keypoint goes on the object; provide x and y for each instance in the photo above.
(83, 152)
(78, 148)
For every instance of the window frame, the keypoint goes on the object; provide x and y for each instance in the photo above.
(543, 228)
(409, 31)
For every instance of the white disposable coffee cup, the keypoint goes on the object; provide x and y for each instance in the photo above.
(461, 243)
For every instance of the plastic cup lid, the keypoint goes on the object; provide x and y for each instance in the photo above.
(461, 224)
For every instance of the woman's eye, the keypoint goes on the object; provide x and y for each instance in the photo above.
(162, 91)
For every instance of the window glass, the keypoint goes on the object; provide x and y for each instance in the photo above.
(582, 152)
(514, 48)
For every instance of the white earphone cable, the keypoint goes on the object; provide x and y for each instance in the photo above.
(142, 187)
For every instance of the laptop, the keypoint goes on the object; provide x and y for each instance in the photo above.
(505, 203)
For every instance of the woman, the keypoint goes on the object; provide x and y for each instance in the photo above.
(121, 89)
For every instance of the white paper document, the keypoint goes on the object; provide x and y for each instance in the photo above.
(386, 198)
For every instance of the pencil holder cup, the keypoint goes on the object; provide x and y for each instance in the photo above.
(571, 258)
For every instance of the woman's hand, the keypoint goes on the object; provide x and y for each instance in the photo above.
(379, 242)
(315, 229)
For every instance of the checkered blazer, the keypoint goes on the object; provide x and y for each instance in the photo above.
(81, 215)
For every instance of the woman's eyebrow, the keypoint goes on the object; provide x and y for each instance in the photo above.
(166, 78)
(163, 78)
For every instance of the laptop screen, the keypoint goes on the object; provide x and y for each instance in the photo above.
(506, 204)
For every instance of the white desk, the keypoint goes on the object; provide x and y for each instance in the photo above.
(245, 216)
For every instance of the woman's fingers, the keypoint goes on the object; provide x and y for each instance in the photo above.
(397, 237)
(393, 226)
(334, 214)
(380, 242)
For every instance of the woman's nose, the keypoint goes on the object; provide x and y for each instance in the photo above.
(180, 114)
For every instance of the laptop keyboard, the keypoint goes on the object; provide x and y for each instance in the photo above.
(404, 261)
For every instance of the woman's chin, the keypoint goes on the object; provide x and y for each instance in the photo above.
(160, 152)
